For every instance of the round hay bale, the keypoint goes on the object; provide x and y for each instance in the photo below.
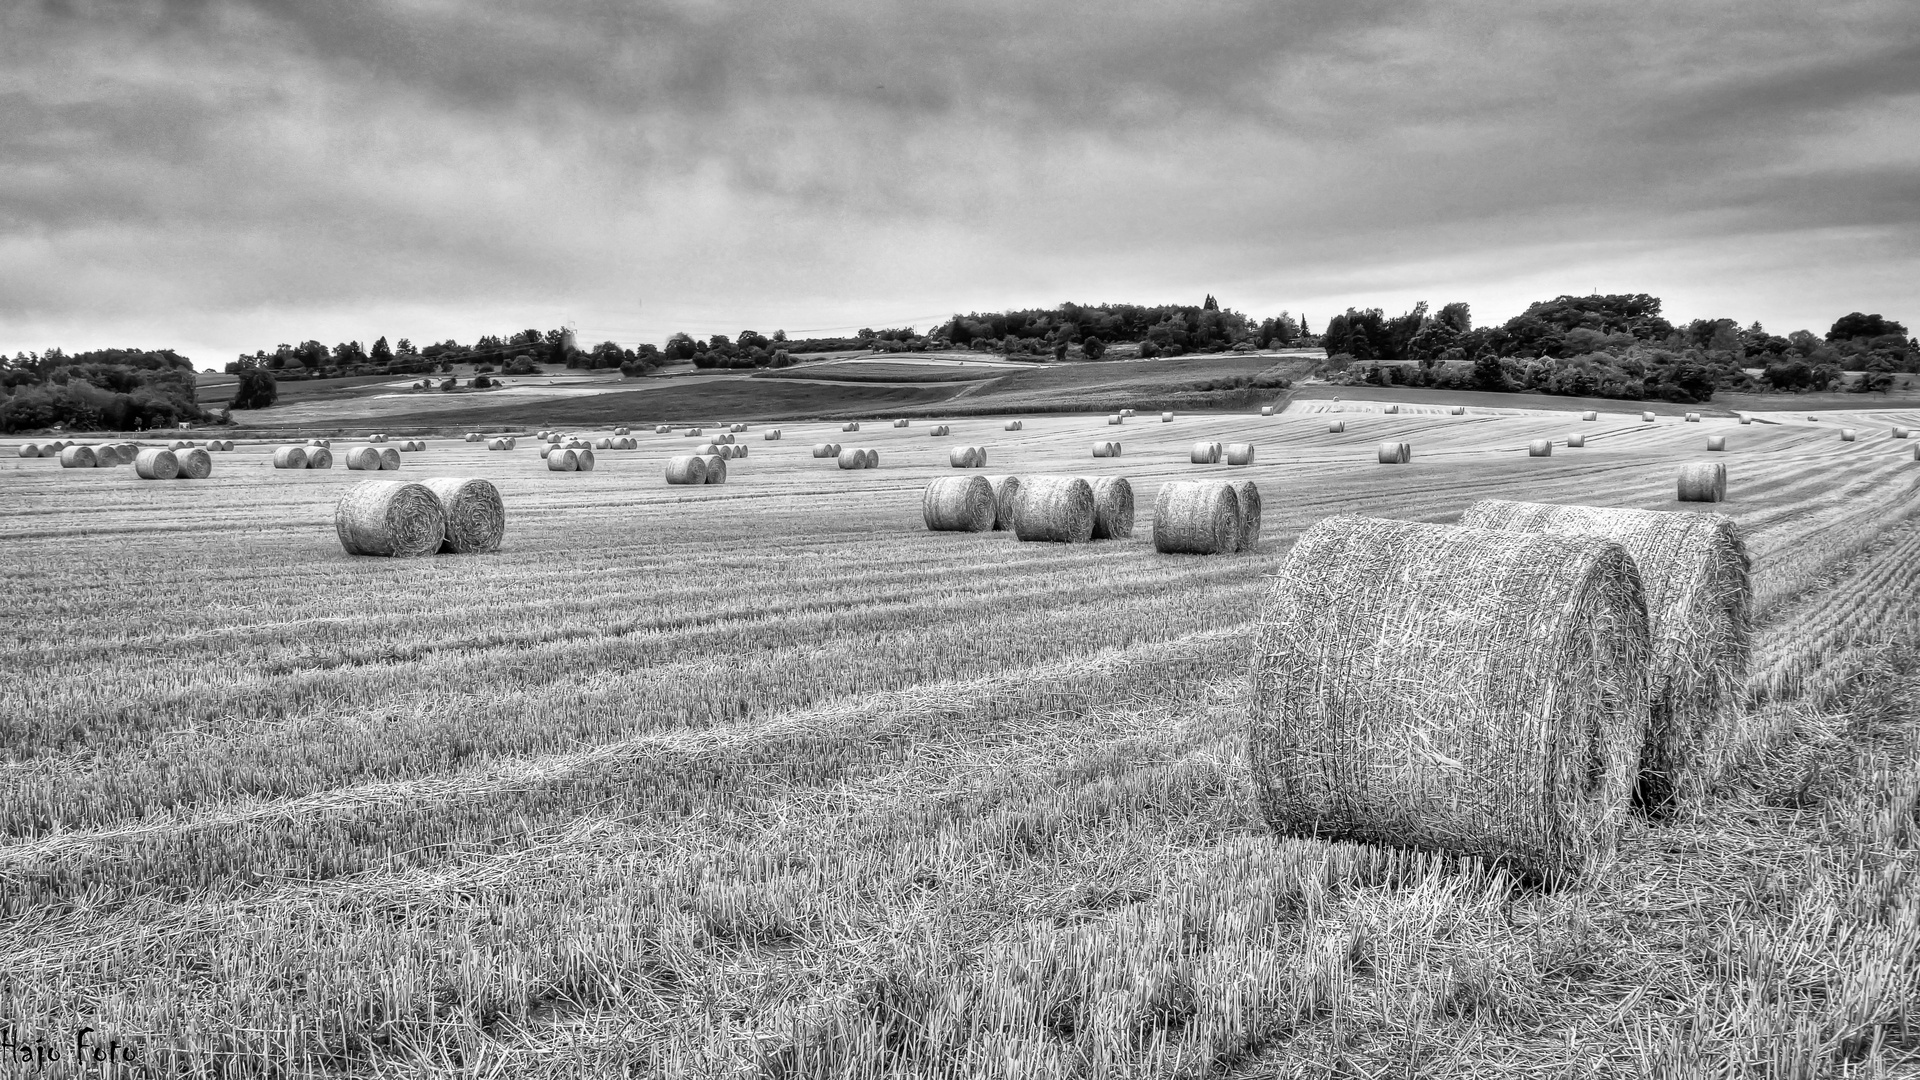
(1693, 418)
(835, 452)
(1201, 453)
(155, 463)
(1540, 448)
(30, 450)
(850, 426)
(178, 444)
(961, 457)
(1395, 453)
(740, 451)
(873, 459)
(1698, 583)
(1337, 427)
(707, 449)
(1589, 415)
(1006, 496)
(542, 433)
(1458, 410)
(851, 458)
(320, 442)
(1115, 418)
(546, 449)
(1166, 418)
(1899, 432)
(390, 517)
(1392, 409)
(81, 457)
(899, 423)
(1716, 442)
(512, 442)
(496, 444)
(1916, 453)
(195, 464)
(212, 445)
(1266, 410)
(725, 438)
(725, 450)
(389, 458)
(1811, 419)
(377, 438)
(1013, 425)
(686, 469)
(772, 435)
(941, 431)
(603, 444)
(1057, 509)
(1575, 442)
(1240, 453)
(716, 468)
(1646, 418)
(319, 457)
(583, 460)
(473, 436)
(1104, 449)
(476, 518)
(1247, 496)
(663, 429)
(291, 457)
(958, 504)
(1745, 420)
(1848, 434)
(561, 459)
(822, 450)
(1703, 482)
(620, 431)
(1196, 517)
(1467, 691)
(737, 427)
(1112, 508)
(693, 433)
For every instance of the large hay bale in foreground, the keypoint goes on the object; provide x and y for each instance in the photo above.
(290, 457)
(1006, 496)
(1240, 453)
(958, 504)
(1703, 482)
(1247, 496)
(195, 463)
(390, 517)
(319, 457)
(1468, 691)
(1540, 448)
(686, 469)
(1698, 584)
(1056, 509)
(853, 458)
(1196, 517)
(716, 468)
(156, 463)
(560, 459)
(80, 457)
(1112, 508)
(475, 515)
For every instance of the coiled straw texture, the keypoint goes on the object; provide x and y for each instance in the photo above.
(156, 463)
(291, 457)
(390, 517)
(1112, 508)
(958, 504)
(1056, 509)
(1196, 517)
(1703, 481)
(475, 514)
(195, 463)
(1006, 495)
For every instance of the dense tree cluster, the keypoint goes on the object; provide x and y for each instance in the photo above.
(1615, 346)
(103, 390)
(1160, 330)
(528, 352)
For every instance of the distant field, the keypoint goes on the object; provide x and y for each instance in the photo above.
(767, 780)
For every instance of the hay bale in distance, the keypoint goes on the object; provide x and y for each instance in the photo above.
(1393, 410)
(622, 431)
(1693, 418)
(155, 463)
(740, 451)
(1646, 418)
(771, 435)
(1395, 453)
(736, 427)
(958, 504)
(1899, 432)
(1112, 508)
(1166, 418)
(476, 518)
(706, 449)
(873, 459)
(1745, 420)
(603, 444)
(853, 458)
(686, 469)
(1457, 410)
(1247, 496)
(1240, 453)
(967, 457)
(1848, 434)
(30, 450)
(1013, 425)
(1540, 448)
(561, 459)
(1006, 496)
(663, 429)
(1698, 583)
(319, 457)
(1575, 442)
(852, 425)
(822, 450)
(390, 517)
(1202, 453)
(583, 459)
(195, 463)
(1703, 482)
(1501, 723)
(1115, 418)
(1716, 442)
(1589, 415)
(1106, 448)
(291, 457)
(1196, 517)
(1055, 509)
(1266, 410)
(1337, 427)
(81, 457)
(389, 458)
(899, 423)
(716, 468)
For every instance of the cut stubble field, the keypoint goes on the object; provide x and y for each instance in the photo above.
(766, 779)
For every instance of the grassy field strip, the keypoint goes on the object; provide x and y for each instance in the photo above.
(1867, 602)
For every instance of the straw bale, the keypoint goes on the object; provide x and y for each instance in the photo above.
(853, 425)
(319, 457)
(1589, 415)
(1899, 432)
(663, 429)
(195, 463)
(740, 451)
(29, 450)
(1166, 418)
(725, 451)
(1202, 453)
(473, 436)
(942, 430)
(1393, 409)
(390, 517)
(1467, 691)
(706, 449)
(1540, 448)
(725, 438)
(1575, 442)
(1703, 482)
(155, 463)
(290, 457)
(1646, 418)
(1196, 517)
(1716, 442)
(772, 435)
(1458, 410)
(1112, 508)
(716, 468)
(545, 449)
(1240, 453)
(81, 457)
(962, 457)
(737, 427)
(1693, 418)
(1848, 434)
(561, 459)
(1266, 410)
(603, 444)
(476, 518)
(1006, 496)
(958, 504)
(621, 431)
(1337, 427)
(1698, 583)
(693, 433)
(1055, 509)
(583, 460)
(899, 423)
(686, 469)
(1746, 420)
(1115, 418)
(1103, 449)
(389, 458)
(542, 433)
(873, 459)
(1013, 425)
(1395, 453)
(851, 458)
(212, 445)
(822, 450)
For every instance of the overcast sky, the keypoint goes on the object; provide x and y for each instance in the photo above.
(219, 175)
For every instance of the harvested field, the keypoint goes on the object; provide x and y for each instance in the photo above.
(862, 798)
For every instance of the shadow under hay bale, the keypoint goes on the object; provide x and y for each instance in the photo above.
(1054, 509)
(476, 518)
(958, 504)
(1112, 508)
(1698, 584)
(1467, 691)
(1196, 517)
(1703, 482)
(390, 517)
